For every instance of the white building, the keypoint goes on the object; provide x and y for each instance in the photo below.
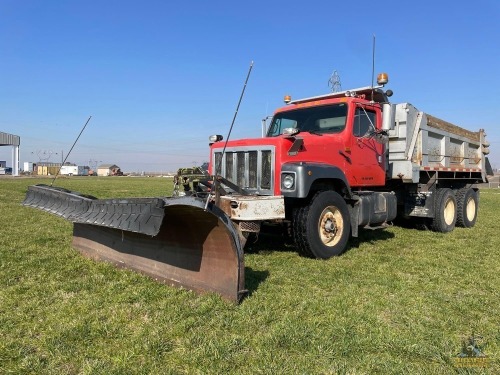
(14, 141)
(28, 167)
(74, 170)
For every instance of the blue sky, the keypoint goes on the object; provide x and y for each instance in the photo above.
(158, 77)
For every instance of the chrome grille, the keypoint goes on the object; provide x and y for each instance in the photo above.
(250, 169)
(266, 170)
(229, 162)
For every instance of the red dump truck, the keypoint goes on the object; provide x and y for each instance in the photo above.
(328, 166)
(331, 164)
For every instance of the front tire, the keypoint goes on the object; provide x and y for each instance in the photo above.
(321, 228)
(445, 211)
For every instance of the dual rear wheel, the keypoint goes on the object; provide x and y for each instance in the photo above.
(467, 205)
(454, 209)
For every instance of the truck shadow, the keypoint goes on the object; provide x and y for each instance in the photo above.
(272, 239)
(369, 236)
(253, 279)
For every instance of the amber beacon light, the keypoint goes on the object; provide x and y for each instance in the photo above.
(382, 79)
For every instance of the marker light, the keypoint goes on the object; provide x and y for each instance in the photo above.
(287, 99)
(215, 138)
(382, 79)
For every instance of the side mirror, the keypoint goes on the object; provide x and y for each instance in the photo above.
(381, 137)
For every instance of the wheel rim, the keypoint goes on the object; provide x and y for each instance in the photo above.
(330, 226)
(470, 209)
(449, 211)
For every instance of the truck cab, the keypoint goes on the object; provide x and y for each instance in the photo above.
(316, 169)
(337, 130)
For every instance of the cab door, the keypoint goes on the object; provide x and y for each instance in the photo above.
(367, 154)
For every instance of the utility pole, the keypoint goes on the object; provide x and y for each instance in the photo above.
(334, 82)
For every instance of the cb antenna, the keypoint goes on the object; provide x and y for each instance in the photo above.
(235, 114)
(373, 65)
(219, 165)
(67, 155)
(334, 82)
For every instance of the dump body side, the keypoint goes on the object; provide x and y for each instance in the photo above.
(419, 142)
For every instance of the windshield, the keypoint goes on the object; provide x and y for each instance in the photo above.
(324, 119)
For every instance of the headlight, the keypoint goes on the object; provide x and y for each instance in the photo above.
(288, 181)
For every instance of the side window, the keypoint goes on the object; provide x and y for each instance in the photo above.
(363, 122)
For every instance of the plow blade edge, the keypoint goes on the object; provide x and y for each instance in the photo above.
(173, 240)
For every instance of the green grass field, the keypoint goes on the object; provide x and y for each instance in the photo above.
(400, 301)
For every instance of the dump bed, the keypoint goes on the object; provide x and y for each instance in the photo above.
(420, 142)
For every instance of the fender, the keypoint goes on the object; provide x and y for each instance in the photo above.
(306, 173)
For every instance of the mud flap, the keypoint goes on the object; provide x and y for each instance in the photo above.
(173, 240)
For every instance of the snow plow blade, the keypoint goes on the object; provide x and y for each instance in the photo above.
(173, 240)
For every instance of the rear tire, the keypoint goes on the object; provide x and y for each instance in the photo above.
(445, 211)
(321, 228)
(467, 205)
